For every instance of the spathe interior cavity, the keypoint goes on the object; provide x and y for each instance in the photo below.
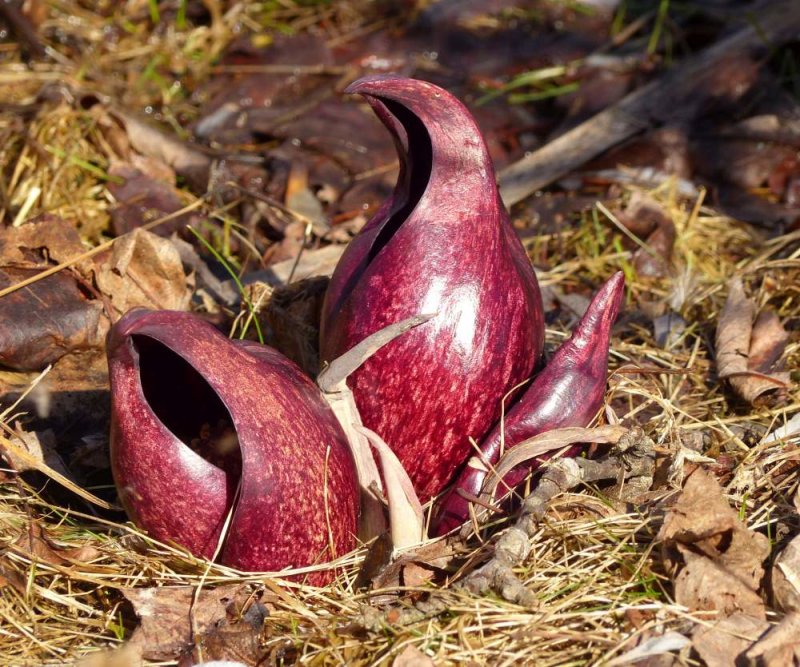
(415, 175)
(187, 405)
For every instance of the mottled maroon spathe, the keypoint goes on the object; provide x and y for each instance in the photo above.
(442, 243)
(298, 497)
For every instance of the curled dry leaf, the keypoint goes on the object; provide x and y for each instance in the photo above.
(415, 567)
(35, 543)
(717, 558)
(146, 271)
(746, 351)
(39, 446)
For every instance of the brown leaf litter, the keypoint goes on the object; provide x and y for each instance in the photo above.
(173, 619)
(748, 347)
(719, 562)
(720, 569)
(42, 322)
(72, 309)
(35, 542)
(145, 271)
(785, 577)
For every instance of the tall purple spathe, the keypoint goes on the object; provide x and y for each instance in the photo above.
(441, 244)
(196, 416)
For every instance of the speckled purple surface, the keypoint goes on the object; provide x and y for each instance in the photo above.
(442, 243)
(291, 448)
(568, 392)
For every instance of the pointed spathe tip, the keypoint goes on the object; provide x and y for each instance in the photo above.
(369, 85)
(612, 290)
(603, 308)
(386, 84)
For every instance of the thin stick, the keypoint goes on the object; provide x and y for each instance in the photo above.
(684, 86)
(95, 251)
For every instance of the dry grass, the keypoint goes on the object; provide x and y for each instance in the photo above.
(594, 567)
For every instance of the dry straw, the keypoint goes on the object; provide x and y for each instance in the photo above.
(593, 569)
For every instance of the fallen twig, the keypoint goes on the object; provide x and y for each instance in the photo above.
(632, 457)
(678, 92)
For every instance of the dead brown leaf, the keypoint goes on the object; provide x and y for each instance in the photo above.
(648, 220)
(767, 342)
(722, 643)
(13, 579)
(411, 656)
(743, 349)
(238, 641)
(722, 560)
(780, 646)
(142, 197)
(311, 263)
(703, 585)
(128, 655)
(417, 566)
(187, 161)
(42, 322)
(39, 446)
(145, 270)
(165, 614)
(45, 237)
(785, 577)
(35, 543)
(301, 200)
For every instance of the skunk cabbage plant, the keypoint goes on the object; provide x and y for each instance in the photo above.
(568, 392)
(441, 244)
(206, 431)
